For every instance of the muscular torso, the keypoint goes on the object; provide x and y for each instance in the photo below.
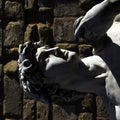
(100, 70)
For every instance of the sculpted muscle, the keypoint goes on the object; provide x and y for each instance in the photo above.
(44, 71)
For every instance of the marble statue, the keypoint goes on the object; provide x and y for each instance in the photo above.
(41, 67)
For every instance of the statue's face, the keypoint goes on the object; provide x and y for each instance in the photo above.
(43, 65)
(57, 62)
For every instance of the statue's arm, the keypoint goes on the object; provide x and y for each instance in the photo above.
(101, 15)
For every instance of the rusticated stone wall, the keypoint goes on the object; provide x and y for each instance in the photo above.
(50, 21)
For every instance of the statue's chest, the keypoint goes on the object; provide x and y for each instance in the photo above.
(112, 89)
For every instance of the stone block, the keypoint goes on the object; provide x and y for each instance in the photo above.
(13, 53)
(88, 103)
(1, 4)
(64, 112)
(1, 11)
(9, 54)
(0, 71)
(13, 9)
(85, 116)
(42, 111)
(102, 118)
(0, 42)
(63, 29)
(45, 34)
(101, 110)
(31, 33)
(28, 110)
(12, 106)
(39, 32)
(29, 4)
(11, 119)
(46, 3)
(67, 8)
(13, 34)
(71, 47)
(46, 15)
(85, 50)
(11, 67)
(26, 96)
(1, 92)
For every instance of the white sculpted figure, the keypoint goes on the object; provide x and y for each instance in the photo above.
(42, 67)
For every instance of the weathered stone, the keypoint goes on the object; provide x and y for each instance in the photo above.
(13, 9)
(63, 29)
(11, 67)
(42, 111)
(64, 113)
(13, 53)
(1, 92)
(102, 118)
(72, 47)
(45, 34)
(85, 116)
(101, 110)
(1, 12)
(85, 50)
(39, 32)
(44, 9)
(20, 1)
(0, 42)
(11, 119)
(45, 3)
(1, 67)
(0, 71)
(31, 33)
(29, 110)
(29, 4)
(13, 34)
(9, 54)
(46, 15)
(13, 50)
(1, 3)
(26, 96)
(88, 103)
(65, 8)
(12, 98)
